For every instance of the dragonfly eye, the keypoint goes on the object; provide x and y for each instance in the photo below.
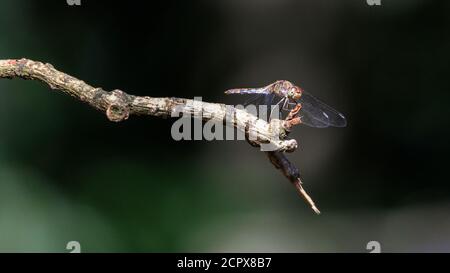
(291, 93)
(297, 93)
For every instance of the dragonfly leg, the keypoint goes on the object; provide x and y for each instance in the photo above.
(288, 104)
(293, 118)
(293, 104)
(294, 112)
(294, 121)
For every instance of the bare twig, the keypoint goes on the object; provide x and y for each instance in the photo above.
(280, 161)
(118, 106)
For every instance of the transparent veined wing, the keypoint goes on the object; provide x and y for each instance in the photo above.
(315, 113)
(265, 106)
(258, 98)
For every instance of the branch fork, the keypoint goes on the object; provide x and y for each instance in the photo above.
(119, 106)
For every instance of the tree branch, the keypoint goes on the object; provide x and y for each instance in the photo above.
(118, 106)
(280, 161)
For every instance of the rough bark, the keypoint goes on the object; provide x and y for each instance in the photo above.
(118, 106)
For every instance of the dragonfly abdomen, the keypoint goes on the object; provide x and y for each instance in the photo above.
(247, 91)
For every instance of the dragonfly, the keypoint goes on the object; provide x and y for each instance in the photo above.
(299, 103)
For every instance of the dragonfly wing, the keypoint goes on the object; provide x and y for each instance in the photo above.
(253, 99)
(261, 97)
(256, 99)
(308, 120)
(263, 104)
(317, 114)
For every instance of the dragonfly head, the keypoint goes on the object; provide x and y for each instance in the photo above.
(295, 93)
(288, 89)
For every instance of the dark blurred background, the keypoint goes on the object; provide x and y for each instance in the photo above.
(67, 173)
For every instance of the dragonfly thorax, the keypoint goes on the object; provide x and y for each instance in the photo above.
(287, 89)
